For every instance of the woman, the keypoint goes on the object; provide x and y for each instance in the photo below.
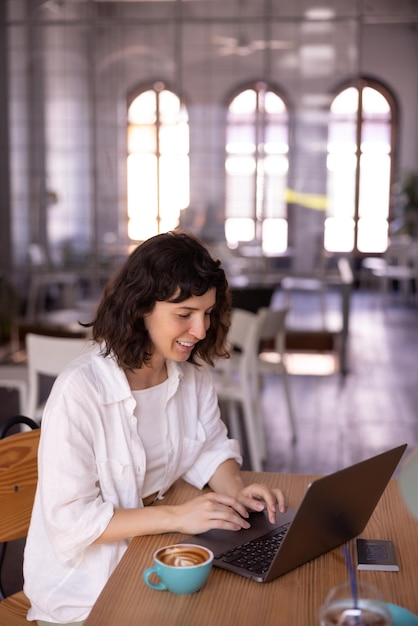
(124, 422)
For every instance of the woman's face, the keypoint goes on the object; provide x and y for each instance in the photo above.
(176, 327)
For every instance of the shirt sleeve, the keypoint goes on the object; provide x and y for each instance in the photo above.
(75, 514)
(218, 446)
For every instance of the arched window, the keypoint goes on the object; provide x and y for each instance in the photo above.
(158, 161)
(256, 164)
(360, 165)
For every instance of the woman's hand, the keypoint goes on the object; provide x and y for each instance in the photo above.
(257, 496)
(206, 512)
(228, 479)
(209, 511)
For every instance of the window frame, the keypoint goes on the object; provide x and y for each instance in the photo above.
(260, 127)
(158, 87)
(360, 84)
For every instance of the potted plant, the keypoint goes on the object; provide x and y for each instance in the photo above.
(405, 204)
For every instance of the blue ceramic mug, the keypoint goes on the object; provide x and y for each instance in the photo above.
(181, 568)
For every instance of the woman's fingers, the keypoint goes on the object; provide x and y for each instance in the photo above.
(215, 510)
(211, 511)
(258, 496)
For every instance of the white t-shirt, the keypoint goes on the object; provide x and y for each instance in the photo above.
(92, 460)
(152, 430)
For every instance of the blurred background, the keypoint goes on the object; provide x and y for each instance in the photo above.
(274, 129)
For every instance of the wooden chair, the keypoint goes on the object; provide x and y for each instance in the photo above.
(18, 479)
(47, 356)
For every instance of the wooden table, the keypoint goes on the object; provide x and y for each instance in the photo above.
(291, 600)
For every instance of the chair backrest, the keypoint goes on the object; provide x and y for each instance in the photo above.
(18, 480)
(246, 332)
(48, 356)
(249, 330)
(242, 329)
(242, 337)
(272, 326)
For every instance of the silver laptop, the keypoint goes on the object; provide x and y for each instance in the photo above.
(335, 508)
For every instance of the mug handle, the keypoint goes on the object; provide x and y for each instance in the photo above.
(147, 574)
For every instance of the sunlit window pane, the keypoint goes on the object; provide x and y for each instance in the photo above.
(374, 103)
(239, 229)
(372, 235)
(142, 185)
(256, 164)
(339, 234)
(240, 165)
(274, 104)
(158, 162)
(346, 101)
(274, 236)
(142, 138)
(240, 140)
(374, 187)
(174, 194)
(276, 139)
(174, 139)
(142, 228)
(359, 169)
(275, 169)
(342, 136)
(169, 107)
(143, 109)
(245, 102)
(276, 165)
(341, 185)
(375, 137)
(240, 195)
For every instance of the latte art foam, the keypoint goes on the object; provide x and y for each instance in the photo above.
(182, 556)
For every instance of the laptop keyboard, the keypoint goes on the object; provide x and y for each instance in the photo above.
(255, 555)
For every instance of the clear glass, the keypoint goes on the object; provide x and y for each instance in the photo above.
(340, 609)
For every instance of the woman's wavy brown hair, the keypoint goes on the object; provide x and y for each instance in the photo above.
(164, 265)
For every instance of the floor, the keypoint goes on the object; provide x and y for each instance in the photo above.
(340, 419)
(344, 419)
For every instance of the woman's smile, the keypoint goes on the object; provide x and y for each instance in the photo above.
(187, 345)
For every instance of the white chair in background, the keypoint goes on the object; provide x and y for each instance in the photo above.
(400, 265)
(47, 356)
(272, 358)
(236, 381)
(373, 266)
